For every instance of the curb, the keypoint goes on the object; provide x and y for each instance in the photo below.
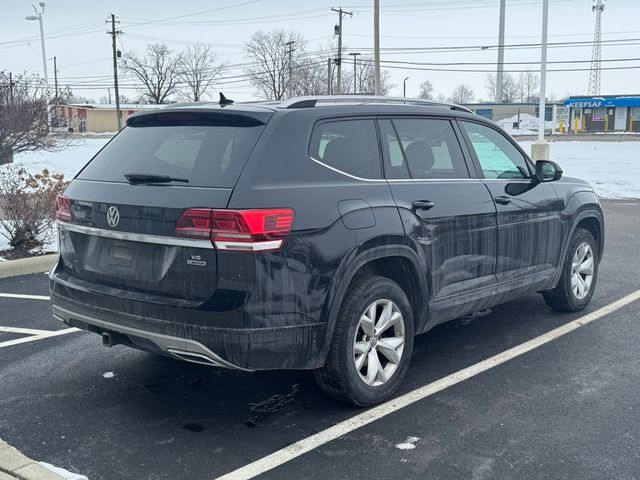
(14, 465)
(25, 266)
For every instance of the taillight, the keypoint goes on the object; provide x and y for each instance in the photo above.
(195, 223)
(242, 230)
(63, 208)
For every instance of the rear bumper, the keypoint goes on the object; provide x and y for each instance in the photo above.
(283, 347)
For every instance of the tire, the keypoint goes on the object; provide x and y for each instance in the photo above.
(570, 295)
(340, 377)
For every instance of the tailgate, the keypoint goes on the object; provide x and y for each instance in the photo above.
(141, 253)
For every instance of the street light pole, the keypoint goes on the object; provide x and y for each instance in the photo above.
(404, 87)
(543, 68)
(540, 148)
(38, 16)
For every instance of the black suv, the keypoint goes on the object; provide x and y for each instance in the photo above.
(317, 233)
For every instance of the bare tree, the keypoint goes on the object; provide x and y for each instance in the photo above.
(365, 79)
(510, 88)
(529, 86)
(442, 98)
(462, 94)
(426, 90)
(23, 116)
(198, 70)
(310, 77)
(157, 71)
(269, 71)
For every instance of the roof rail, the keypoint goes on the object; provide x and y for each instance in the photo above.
(312, 101)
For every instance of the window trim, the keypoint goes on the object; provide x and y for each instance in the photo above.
(322, 121)
(454, 128)
(474, 157)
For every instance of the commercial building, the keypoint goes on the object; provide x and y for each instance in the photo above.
(606, 113)
(90, 117)
(500, 111)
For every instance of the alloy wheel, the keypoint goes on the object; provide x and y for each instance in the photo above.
(379, 342)
(582, 270)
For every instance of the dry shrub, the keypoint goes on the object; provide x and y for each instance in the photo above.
(27, 205)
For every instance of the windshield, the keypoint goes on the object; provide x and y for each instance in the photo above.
(208, 151)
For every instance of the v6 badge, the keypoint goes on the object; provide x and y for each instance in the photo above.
(196, 261)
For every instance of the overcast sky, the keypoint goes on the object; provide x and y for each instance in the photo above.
(77, 37)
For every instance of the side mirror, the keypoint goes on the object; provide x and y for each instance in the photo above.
(547, 171)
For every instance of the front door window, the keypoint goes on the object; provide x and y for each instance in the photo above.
(498, 157)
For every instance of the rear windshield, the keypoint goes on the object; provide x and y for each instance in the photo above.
(207, 150)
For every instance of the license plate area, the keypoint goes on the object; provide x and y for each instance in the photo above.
(120, 255)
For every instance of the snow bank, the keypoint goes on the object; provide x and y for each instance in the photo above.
(528, 124)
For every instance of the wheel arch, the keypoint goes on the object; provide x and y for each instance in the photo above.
(591, 218)
(397, 262)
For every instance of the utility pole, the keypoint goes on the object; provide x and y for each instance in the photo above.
(109, 95)
(55, 76)
(355, 77)
(114, 33)
(376, 46)
(329, 79)
(341, 13)
(500, 73)
(290, 52)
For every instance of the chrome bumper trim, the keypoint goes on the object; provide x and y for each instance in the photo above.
(176, 347)
(136, 237)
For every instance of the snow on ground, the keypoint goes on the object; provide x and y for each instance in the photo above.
(613, 168)
(68, 161)
(66, 474)
(408, 444)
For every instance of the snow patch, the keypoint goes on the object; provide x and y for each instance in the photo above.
(108, 375)
(408, 444)
(66, 474)
(528, 124)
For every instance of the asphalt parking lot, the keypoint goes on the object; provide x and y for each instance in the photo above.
(568, 409)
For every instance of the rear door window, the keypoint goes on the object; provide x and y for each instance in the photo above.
(350, 146)
(208, 150)
(421, 148)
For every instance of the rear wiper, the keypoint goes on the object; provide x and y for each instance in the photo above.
(151, 178)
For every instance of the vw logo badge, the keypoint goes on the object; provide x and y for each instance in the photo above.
(113, 217)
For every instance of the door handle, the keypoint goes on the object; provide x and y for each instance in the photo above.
(422, 204)
(502, 199)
